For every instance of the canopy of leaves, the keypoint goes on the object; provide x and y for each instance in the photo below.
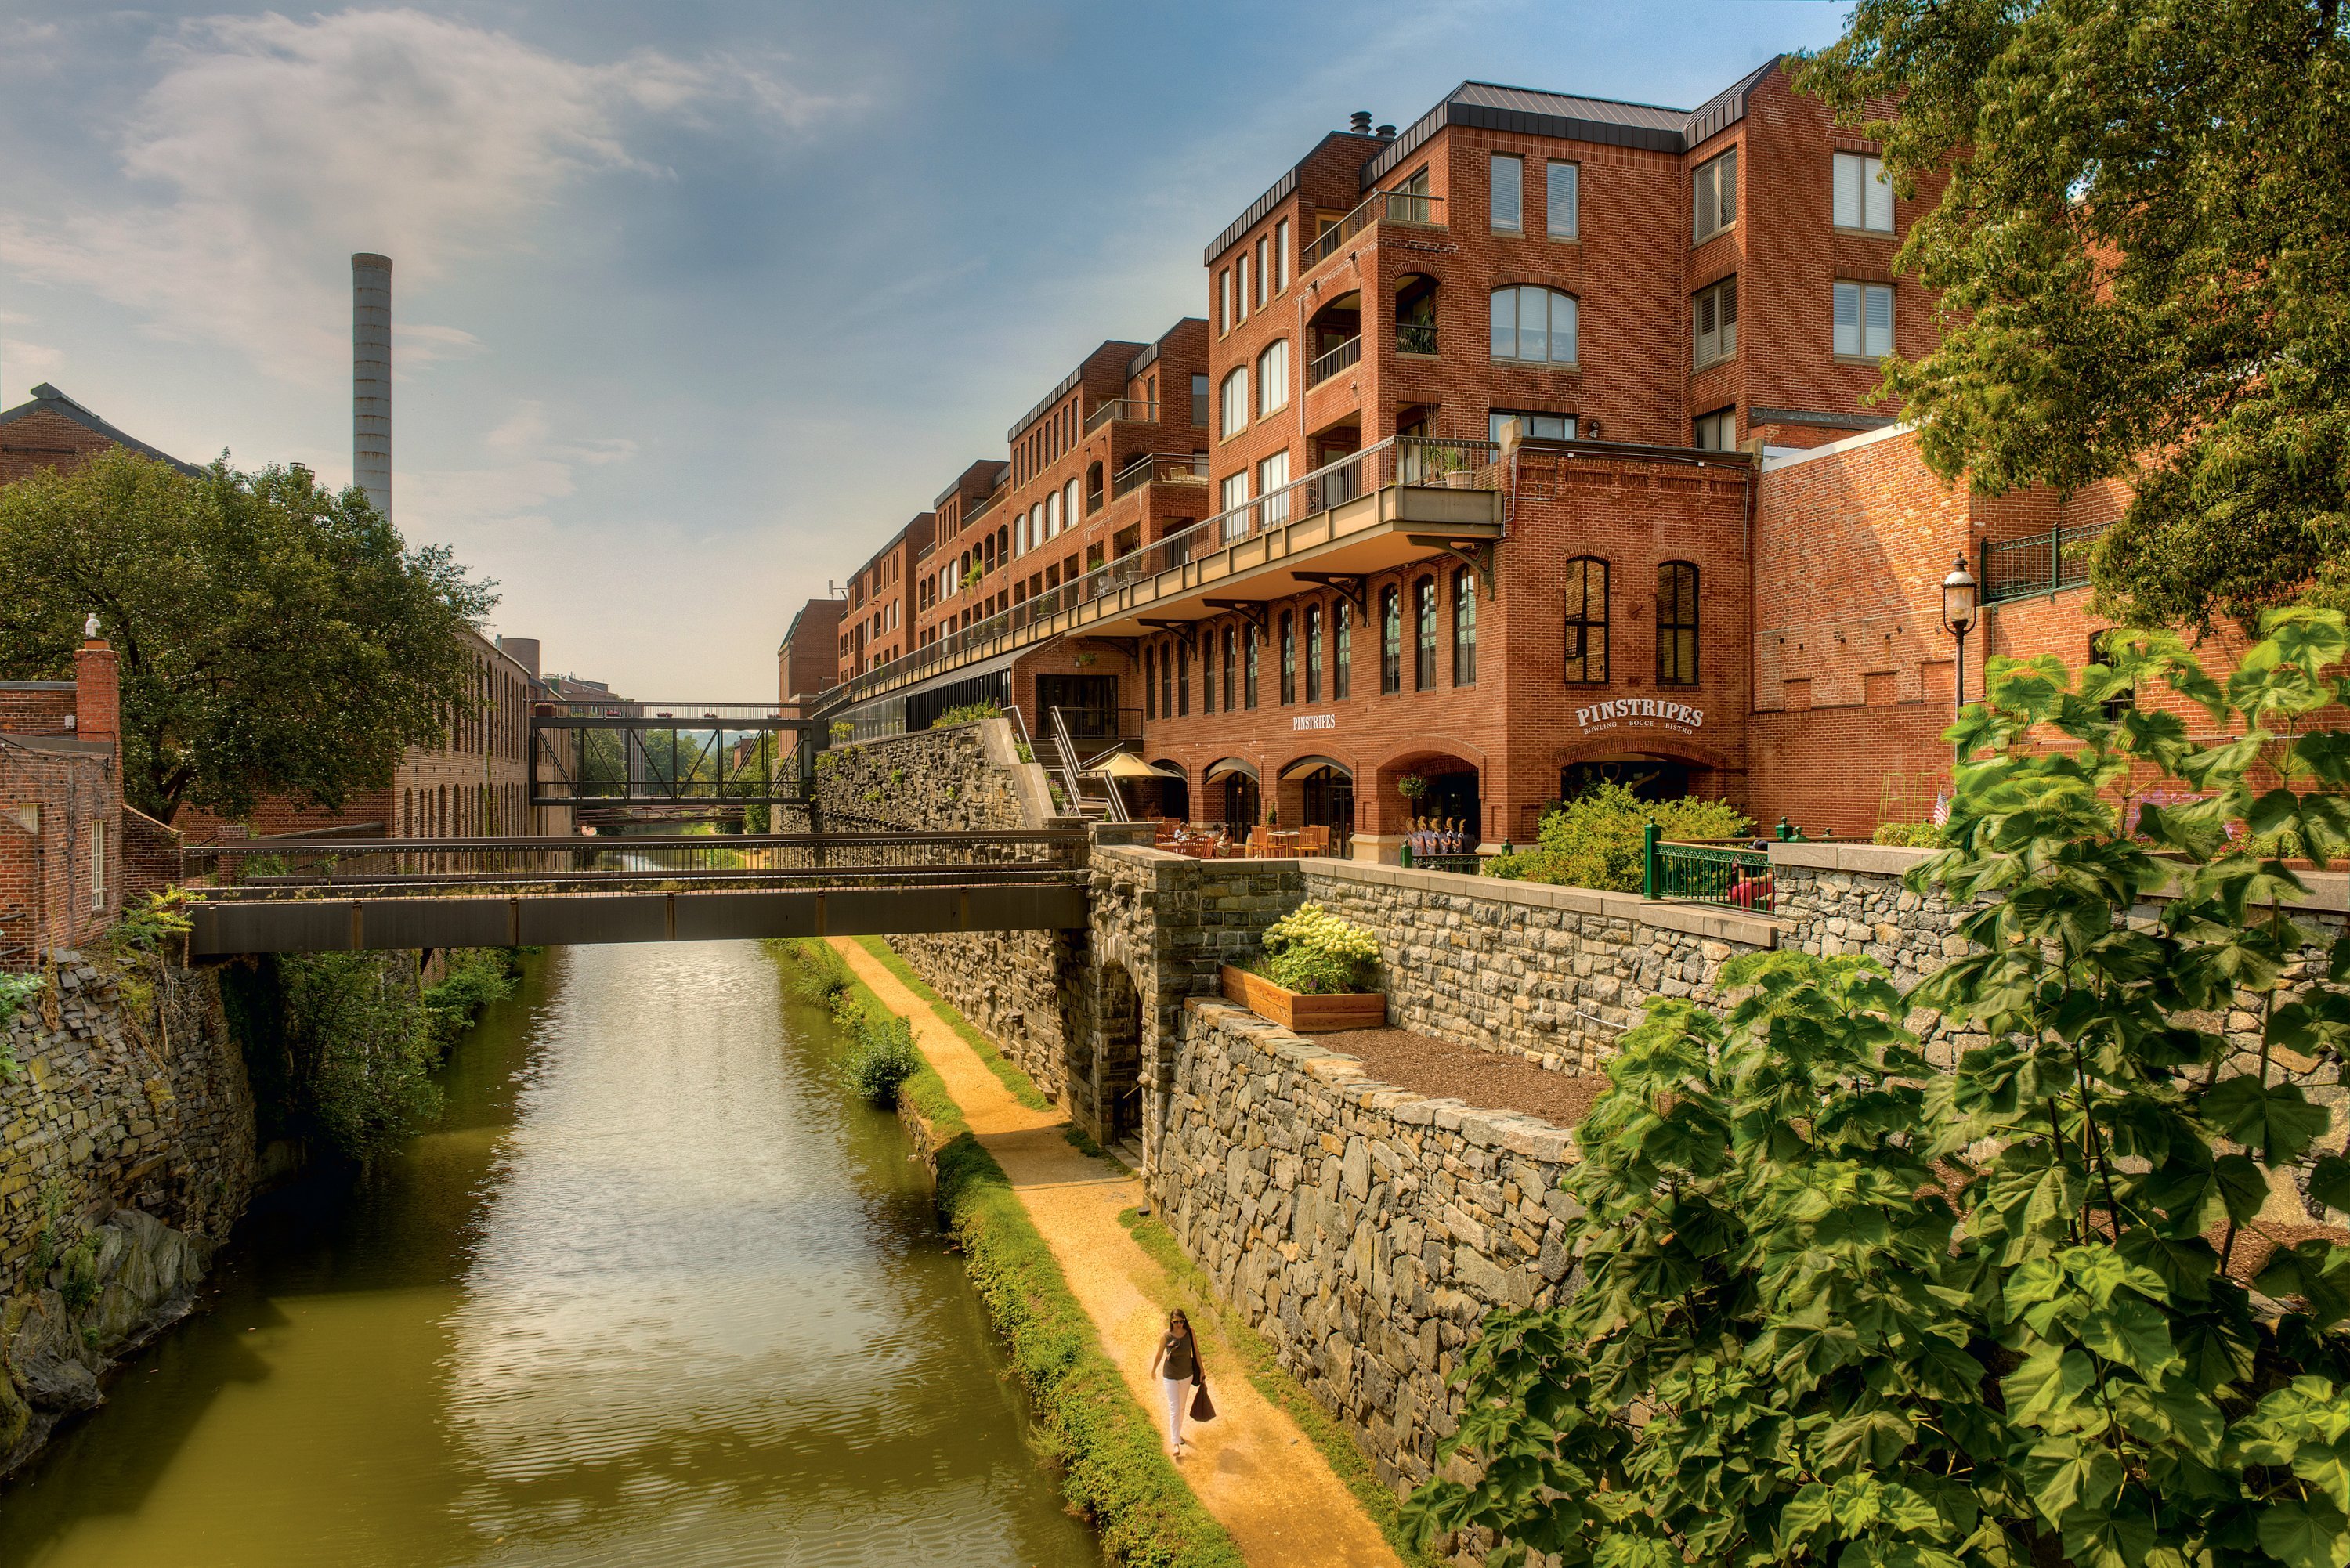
(2143, 258)
(1597, 839)
(1838, 1306)
(275, 638)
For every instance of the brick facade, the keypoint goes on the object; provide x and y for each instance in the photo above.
(62, 820)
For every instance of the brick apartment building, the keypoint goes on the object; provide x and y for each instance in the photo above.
(1524, 447)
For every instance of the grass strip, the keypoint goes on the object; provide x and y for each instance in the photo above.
(1345, 1456)
(1022, 1088)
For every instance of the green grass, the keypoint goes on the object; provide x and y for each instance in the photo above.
(1022, 1088)
(1196, 1295)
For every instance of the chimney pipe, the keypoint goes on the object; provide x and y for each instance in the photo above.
(371, 378)
(1386, 133)
(1359, 122)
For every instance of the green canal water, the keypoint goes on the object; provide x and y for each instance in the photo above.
(653, 1291)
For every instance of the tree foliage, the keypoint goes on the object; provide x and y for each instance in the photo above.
(275, 638)
(1599, 839)
(1836, 1307)
(2143, 258)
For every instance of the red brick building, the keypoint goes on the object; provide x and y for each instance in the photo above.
(53, 431)
(1525, 447)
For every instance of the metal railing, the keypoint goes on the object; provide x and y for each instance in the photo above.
(1160, 468)
(986, 502)
(1726, 874)
(1141, 411)
(1380, 206)
(1395, 461)
(1414, 336)
(1322, 366)
(293, 869)
(2038, 563)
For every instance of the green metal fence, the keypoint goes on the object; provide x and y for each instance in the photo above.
(1731, 876)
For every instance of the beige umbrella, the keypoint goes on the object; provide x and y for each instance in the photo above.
(1127, 765)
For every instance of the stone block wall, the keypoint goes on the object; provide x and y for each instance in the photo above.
(1363, 1228)
(952, 778)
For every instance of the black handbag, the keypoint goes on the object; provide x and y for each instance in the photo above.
(1203, 1407)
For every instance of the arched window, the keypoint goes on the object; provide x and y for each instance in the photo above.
(1586, 621)
(1314, 653)
(1532, 323)
(1676, 624)
(1423, 669)
(1342, 653)
(1069, 503)
(1288, 657)
(1052, 514)
(1093, 488)
(1390, 640)
(1273, 377)
(1464, 627)
(1234, 411)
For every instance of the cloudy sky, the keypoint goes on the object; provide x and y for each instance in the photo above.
(694, 301)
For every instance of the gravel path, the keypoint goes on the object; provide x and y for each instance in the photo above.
(1488, 1080)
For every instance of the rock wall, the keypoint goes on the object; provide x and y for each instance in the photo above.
(127, 1152)
(1363, 1228)
(955, 777)
(1012, 985)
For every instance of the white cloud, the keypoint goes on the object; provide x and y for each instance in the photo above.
(524, 468)
(28, 364)
(271, 147)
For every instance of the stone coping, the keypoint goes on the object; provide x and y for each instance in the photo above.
(2329, 891)
(1696, 920)
(1515, 1131)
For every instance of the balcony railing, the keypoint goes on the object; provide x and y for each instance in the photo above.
(986, 504)
(1382, 206)
(1414, 336)
(1395, 461)
(1141, 411)
(1322, 366)
(1158, 468)
(2040, 563)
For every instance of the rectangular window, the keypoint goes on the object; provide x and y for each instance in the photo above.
(98, 865)
(1235, 496)
(1390, 641)
(1863, 198)
(1151, 682)
(1224, 300)
(1249, 640)
(1562, 217)
(1235, 396)
(1273, 377)
(1199, 400)
(1587, 622)
(1715, 184)
(1281, 255)
(1288, 657)
(1718, 431)
(1183, 680)
(1312, 653)
(1423, 667)
(1713, 316)
(1273, 485)
(1533, 427)
(1342, 653)
(1509, 195)
(1676, 624)
(1464, 627)
(1232, 690)
(1240, 290)
(1264, 272)
(1864, 320)
(1208, 672)
(1166, 681)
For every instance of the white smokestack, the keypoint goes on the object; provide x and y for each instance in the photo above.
(371, 378)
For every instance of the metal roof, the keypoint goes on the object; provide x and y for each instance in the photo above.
(1149, 357)
(991, 467)
(47, 398)
(1281, 190)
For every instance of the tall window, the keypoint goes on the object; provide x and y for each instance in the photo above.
(1281, 255)
(1069, 502)
(2122, 701)
(1264, 272)
(1052, 514)
(1249, 641)
(1562, 217)
(1587, 622)
(1183, 680)
(1464, 627)
(1273, 485)
(1713, 321)
(1863, 319)
(1314, 653)
(1342, 653)
(1716, 187)
(1224, 300)
(1273, 377)
(1676, 624)
(1534, 323)
(1235, 398)
(1717, 431)
(1151, 682)
(1390, 641)
(1235, 496)
(1241, 287)
(1231, 687)
(1208, 670)
(1509, 194)
(1863, 199)
(1200, 398)
(1288, 657)
(1166, 682)
(1423, 669)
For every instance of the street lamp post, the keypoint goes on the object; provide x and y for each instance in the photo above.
(1958, 610)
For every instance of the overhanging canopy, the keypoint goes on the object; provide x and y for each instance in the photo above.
(1228, 766)
(1305, 765)
(1127, 765)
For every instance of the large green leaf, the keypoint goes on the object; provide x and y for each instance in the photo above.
(2276, 1119)
(2302, 1534)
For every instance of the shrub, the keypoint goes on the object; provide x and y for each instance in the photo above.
(1597, 839)
(1910, 834)
(473, 978)
(969, 713)
(16, 991)
(364, 1047)
(819, 974)
(881, 1057)
(1315, 951)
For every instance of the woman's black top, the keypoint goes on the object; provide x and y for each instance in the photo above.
(1179, 1365)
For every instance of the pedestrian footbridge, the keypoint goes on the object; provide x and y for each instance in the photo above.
(343, 896)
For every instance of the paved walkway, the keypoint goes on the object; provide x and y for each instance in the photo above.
(1250, 1466)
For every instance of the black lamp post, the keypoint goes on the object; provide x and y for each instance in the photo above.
(1958, 610)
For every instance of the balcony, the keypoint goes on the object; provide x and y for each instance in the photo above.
(1368, 512)
(1381, 207)
(1416, 338)
(1158, 468)
(2038, 563)
(1324, 366)
(1136, 410)
(986, 504)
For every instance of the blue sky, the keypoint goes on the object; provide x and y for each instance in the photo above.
(692, 302)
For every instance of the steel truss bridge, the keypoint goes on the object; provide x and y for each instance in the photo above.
(347, 895)
(614, 755)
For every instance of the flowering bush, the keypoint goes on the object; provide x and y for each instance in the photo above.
(1315, 951)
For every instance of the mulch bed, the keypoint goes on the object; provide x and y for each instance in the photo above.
(1485, 1079)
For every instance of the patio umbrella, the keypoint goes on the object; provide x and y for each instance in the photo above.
(1127, 765)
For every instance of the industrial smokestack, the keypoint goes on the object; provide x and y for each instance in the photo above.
(371, 378)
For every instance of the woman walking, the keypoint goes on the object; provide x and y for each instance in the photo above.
(1178, 1366)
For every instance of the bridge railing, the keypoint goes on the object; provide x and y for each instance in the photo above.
(290, 866)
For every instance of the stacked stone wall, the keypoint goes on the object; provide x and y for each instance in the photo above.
(952, 778)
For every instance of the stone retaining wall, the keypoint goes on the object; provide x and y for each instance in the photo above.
(1363, 1228)
(956, 777)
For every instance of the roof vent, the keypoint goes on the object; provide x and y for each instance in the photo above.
(1359, 122)
(1386, 133)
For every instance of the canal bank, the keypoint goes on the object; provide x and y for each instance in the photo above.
(651, 1288)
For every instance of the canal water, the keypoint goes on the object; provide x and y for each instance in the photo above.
(653, 1291)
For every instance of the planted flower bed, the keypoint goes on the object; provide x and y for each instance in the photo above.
(1314, 977)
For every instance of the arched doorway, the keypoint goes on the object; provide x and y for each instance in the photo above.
(1118, 1064)
(1450, 791)
(1232, 783)
(1651, 778)
(1174, 795)
(1323, 791)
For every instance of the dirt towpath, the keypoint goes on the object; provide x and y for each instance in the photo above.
(1250, 1466)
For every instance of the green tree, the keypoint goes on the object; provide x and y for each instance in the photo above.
(1838, 1307)
(2143, 258)
(274, 637)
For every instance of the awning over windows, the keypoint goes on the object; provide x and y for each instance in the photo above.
(1226, 768)
(1305, 765)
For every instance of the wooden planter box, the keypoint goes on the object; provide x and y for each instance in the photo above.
(1305, 1015)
